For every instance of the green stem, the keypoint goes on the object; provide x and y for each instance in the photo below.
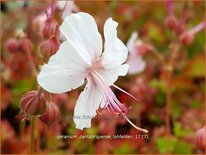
(168, 102)
(32, 135)
(22, 127)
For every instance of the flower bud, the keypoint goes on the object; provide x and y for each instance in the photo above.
(171, 22)
(50, 28)
(38, 22)
(51, 115)
(200, 138)
(33, 103)
(143, 49)
(26, 45)
(187, 37)
(49, 47)
(180, 28)
(12, 45)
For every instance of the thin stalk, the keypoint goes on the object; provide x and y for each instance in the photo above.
(168, 101)
(22, 127)
(32, 144)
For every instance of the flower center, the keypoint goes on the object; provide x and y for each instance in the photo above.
(113, 105)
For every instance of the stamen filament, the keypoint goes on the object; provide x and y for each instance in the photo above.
(112, 103)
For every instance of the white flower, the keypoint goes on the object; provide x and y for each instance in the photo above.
(81, 57)
(135, 61)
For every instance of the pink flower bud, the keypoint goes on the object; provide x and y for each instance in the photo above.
(180, 27)
(51, 115)
(26, 45)
(187, 37)
(33, 103)
(50, 28)
(49, 47)
(12, 45)
(171, 22)
(143, 49)
(200, 138)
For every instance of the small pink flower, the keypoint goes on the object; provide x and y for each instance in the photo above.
(81, 57)
(187, 37)
(135, 61)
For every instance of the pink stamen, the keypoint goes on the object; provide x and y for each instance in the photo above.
(130, 95)
(112, 103)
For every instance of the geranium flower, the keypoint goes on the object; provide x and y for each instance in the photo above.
(80, 58)
(136, 50)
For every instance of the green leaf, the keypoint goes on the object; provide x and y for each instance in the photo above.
(124, 148)
(181, 147)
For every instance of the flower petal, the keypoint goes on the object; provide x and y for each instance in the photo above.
(131, 42)
(81, 30)
(87, 104)
(66, 70)
(136, 64)
(111, 75)
(115, 52)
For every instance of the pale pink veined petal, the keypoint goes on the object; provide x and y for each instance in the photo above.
(111, 75)
(115, 52)
(65, 70)
(87, 104)
(136, 64)
(81, 31)
(131, 42)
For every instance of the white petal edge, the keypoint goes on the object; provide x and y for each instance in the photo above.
(65, 71)
(111, 75)
(81, 31)
(88, 102)
(136, 64)
(115, 52)
(132, 41)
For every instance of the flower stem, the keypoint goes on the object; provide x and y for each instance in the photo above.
(22, 127)
(168, 99)
(32, 135)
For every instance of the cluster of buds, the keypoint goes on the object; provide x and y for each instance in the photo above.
(35, 103)
(185, 36)
(50, 32)
(20, 43)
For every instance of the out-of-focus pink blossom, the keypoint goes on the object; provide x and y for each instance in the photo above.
(136, 50)
(200, 138)
(12, 44)
(187, 37)
(26, 45)
(170, 20)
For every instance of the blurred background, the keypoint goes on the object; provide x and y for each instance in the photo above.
(150, 20)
